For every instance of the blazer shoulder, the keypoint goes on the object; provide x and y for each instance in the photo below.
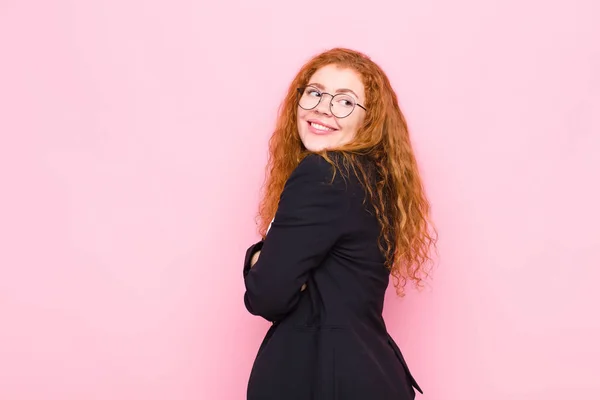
(314, 166)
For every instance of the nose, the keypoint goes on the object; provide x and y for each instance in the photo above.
(324, 106)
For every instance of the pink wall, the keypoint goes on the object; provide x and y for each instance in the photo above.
(133, 139)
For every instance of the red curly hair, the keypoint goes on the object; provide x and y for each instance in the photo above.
(397, 195)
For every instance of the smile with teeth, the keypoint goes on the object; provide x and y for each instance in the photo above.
(321, 127)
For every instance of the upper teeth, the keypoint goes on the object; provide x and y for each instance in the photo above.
(320, 127)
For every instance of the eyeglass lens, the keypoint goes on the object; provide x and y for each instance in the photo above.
(341, 106)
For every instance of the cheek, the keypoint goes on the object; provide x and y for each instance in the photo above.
(350, 127)
(301, 116)
(301, 113)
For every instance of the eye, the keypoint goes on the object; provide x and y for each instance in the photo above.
(346, 101)
(312, 92)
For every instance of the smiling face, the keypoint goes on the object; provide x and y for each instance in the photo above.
(319, 128)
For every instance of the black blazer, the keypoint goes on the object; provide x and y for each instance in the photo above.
(329, 341)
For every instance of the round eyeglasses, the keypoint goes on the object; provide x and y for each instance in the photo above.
(341, 104)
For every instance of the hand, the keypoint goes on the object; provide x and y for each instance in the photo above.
(303, 288)
(254, 258)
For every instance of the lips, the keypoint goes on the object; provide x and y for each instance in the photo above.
(319, 128)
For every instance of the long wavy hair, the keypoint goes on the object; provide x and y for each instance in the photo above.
(396, 194)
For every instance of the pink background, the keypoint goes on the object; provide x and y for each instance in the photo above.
(133, 140)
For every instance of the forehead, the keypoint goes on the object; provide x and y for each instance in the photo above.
(334, 78)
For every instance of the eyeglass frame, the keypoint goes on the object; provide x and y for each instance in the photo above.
(301, 90)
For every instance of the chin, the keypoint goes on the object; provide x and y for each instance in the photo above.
(315, 143)
(315, 147)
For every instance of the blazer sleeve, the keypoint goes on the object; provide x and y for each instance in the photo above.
(308, 222)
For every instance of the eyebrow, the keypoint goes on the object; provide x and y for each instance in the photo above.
(321, 87)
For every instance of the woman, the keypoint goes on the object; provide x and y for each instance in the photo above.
(343, 209)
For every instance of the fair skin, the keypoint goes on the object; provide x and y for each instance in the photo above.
(319, 128)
